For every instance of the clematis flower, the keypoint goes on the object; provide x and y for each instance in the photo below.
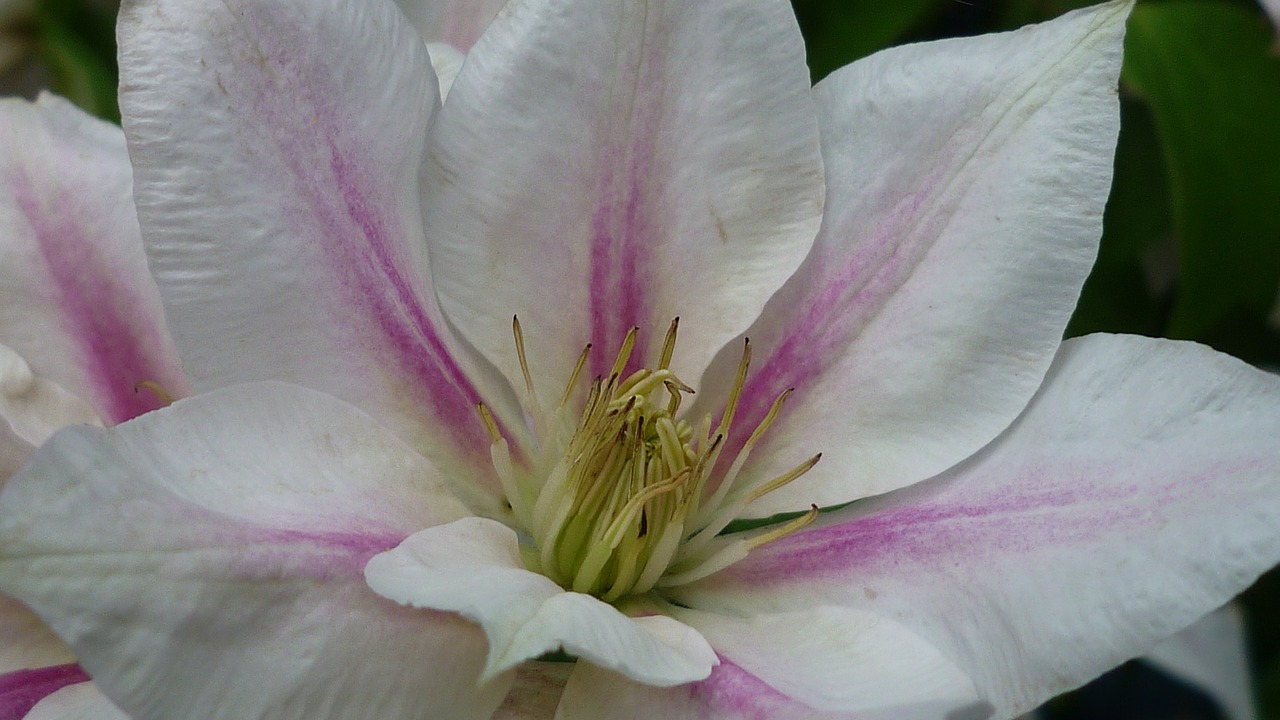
(389, 500)
(82, 339)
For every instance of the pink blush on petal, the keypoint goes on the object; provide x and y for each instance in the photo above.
(21, 690)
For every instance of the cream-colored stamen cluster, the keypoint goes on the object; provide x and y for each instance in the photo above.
(617, 504)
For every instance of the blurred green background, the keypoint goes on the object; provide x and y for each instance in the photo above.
(1192, 242)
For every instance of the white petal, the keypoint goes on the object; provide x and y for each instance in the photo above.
(455, 22)
(965, 186)
(1273, 11)
(33, 407)
(205, 561)
(1212, 656)
(446, 61)
(277, 146)
(26, 642)
(1140, 490)
(604, 165)
(76, 299)
(836, 659)
(82, 701)
(731, 693)
(472, 567)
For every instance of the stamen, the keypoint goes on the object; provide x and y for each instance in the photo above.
(524, 363)
(155, 389)
(783, 479)
(727, 512)
(573, 377)
(489, 423)
(784, 529)
(731, 475)
(739, 380)
(615, 502)
(669, 345)
(624, 352)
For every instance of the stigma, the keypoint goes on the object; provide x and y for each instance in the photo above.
(624, 495)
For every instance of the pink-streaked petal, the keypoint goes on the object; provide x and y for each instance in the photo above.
(277, 146)
(600, 166)
(22, 690)
(1140, 489)
(731, 693)
(966, 181)
(82, 701)
(39, 677)
(76, 299)
(456, 22)
(1213, 656)
(472, 567)
(206, 561)
(536, 692)
(836, 659)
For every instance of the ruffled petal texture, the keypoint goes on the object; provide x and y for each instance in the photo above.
(965, 186)
(600, 166)
(77, 303)
(473, 567)
(206, 561)
(1140, 490)
(277, 147)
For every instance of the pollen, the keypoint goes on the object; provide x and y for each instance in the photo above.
(624, 495)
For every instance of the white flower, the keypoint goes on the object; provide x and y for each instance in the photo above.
(386, 505)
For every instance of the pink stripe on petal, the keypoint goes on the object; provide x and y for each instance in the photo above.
(376, 279)
(364, 243)
(113, 356)
(21, 690)
(736, 693)
(622, 233)
(842, 297)
(1010, 520)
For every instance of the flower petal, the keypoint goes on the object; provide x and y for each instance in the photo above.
(82, 701)
(1140, 489)
(456, 22)
(1213, 656)
(33, 407)
(39, 678)
(836, 659)
(966, 181)
(446, 61)
(277, 145)
(76, 298)
(600, 166)
(472, 567)
(730, 693)
(26, 642)
(205, 561)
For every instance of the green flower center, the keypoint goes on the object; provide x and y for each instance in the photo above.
(622, 501)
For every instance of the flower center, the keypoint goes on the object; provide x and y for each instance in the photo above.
(620, 500)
